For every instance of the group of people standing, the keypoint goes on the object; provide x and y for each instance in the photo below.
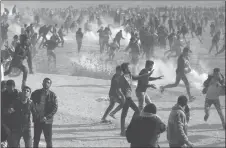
(17, 108)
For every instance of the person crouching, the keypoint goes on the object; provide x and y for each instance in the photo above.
(144, 131)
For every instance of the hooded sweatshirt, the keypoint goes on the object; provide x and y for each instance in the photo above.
(144, 131)
(177, 127)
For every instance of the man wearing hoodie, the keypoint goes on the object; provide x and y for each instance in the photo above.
(177, 125)
(215, 87)
(145, 130)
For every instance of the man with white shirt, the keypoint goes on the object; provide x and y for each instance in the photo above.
(214, 90)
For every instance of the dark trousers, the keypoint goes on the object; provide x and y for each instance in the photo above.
(16, 136)
(79, 43)
(47, 130)
(62, 40)
(128, 103)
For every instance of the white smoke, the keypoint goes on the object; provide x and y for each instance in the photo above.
(96, 65)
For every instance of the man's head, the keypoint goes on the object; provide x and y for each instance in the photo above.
(150, 108)
(216, 73)
(125, 68)
(10, 85)
(15, 37)
(182, 101)
(26, 93)
(149, 65)
(118, 70)
(46, 83)
(186, 50)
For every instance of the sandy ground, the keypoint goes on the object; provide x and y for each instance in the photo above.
(77, 122)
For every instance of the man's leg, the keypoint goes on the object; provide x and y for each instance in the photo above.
(27, 138)
(47, 129)
(211, 47)
(123, 116)
(15, 138)
(187, 85)
(110, 107)
(9, 70)
(207, 106)
(119, 107)
(147, 98)
(141, 98)
(41, 42)
(38, 127)
(217, 47)
(220, 113)
(178, 78)
(25, 72)
(222, 50)
(29, 61)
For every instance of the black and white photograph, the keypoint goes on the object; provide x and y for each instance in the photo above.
(112, 74)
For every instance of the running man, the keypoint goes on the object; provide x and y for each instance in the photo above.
(183, 68)
(22, 51)
(113, 47)
(215, 86)
(114, 95)
(215, 41)
(51, 46)
(143, 85)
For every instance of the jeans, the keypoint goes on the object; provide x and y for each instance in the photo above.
(216, 103)
(128, 103)
(142, 97)
(16, 136)
(47, 130)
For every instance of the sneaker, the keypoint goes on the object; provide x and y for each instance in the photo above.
(105, 121)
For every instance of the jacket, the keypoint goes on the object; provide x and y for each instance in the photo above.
(144, 131)
(177, 127)
(51, 105)
(7, 100)
(21, 118)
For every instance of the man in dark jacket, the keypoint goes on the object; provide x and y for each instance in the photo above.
(118, 37)
(177, 124)
(144, 131)
(21, 121)
(8, 97)
(46, 105)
